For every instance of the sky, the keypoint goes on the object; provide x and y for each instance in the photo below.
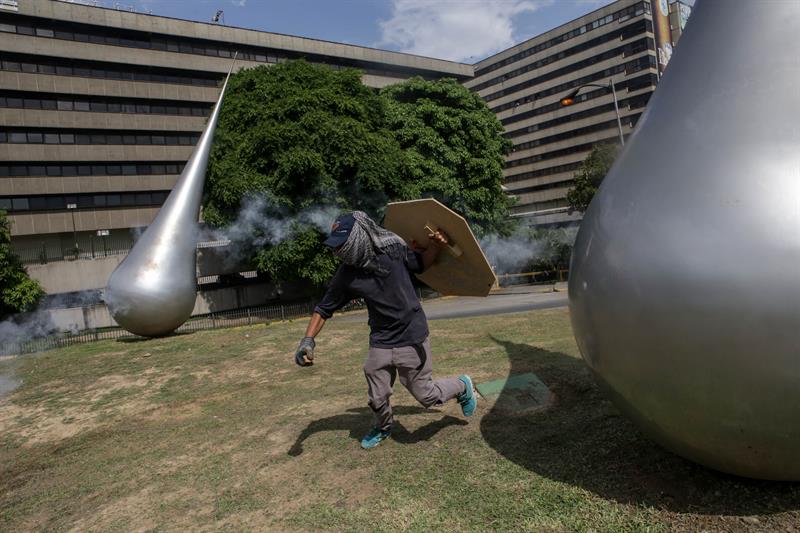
(457, 30)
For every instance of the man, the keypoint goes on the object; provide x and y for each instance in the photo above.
(377, 266)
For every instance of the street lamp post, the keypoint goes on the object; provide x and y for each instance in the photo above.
(570, 99)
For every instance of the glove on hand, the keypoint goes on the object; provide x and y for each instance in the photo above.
(304, 356)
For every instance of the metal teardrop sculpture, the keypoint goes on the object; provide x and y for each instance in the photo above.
(153, 291)
(684, 288)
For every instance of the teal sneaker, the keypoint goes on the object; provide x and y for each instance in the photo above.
(374, 437)
(467, 398)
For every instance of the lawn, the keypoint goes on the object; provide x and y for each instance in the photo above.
(219, 430)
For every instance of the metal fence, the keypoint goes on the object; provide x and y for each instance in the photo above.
(224, 319)
(91, 248)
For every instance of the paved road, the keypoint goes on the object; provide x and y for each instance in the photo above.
(494, 304)
(510, 301)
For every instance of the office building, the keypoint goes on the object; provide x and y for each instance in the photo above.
(524, 84)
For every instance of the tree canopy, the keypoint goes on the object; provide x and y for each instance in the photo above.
(18, 292)
(299, 136)
(590, 174)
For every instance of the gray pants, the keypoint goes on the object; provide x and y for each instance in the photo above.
(413, 364)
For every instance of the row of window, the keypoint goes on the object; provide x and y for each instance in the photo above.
(559, 153)
(544, 187)
(18, 204)
(59, 102)
(127, 168)
(167, 43)
(95, 137)
(538, 173)
(622, 34)
(542, 206)
(108, 71)
(622, 15)
(133, 39)
(628, 49)
(633, 84)
(634, 102)
(600, 126)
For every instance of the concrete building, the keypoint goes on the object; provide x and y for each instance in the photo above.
(100, 108)
(524, 84)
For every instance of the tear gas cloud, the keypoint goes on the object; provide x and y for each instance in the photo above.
(522, 249)
(39, 322)
(260, 222)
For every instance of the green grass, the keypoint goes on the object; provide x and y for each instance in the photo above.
(219, 430)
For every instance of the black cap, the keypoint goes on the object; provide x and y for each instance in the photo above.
(340, 230)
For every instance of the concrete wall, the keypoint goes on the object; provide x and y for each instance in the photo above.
(217, 300)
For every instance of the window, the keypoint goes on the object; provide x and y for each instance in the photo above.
(16, 137)
(53, 138)
(112, 200)
(38, 203)
(56, 202)
(99, 200)
(81, 106)
(53, 170)
(19, 204)
(44, 32)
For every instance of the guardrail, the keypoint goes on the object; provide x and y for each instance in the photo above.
(224, 319)
(541, 276)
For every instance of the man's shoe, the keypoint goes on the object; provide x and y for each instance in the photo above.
(467, 398)
(374, 437)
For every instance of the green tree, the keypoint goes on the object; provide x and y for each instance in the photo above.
(301, 135)
(454, 149)
(590, 174)
(19, 292)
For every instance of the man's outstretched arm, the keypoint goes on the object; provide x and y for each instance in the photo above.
(315, 325)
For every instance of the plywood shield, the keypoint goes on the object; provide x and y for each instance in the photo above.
(461, 269)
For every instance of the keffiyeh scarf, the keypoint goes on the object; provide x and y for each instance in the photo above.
(366, 241)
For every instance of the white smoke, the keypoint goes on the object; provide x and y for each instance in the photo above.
(260, 223)
(522, 250)
(39, 323)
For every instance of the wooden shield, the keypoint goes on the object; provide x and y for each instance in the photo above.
(461, 269)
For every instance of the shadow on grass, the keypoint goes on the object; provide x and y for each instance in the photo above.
(582, 440)
(359, 421)
(134, 340)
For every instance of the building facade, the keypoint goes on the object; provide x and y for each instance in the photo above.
(524, 85)
(100, 109)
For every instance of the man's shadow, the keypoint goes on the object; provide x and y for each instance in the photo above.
(359, 420)
(582, 439)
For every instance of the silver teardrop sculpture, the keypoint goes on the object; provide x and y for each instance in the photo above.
(684, 288)
(153, 291)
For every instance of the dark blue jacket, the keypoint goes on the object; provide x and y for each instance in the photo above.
(396, 317)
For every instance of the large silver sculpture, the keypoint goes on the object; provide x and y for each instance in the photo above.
(153, 290)
(685, 282)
